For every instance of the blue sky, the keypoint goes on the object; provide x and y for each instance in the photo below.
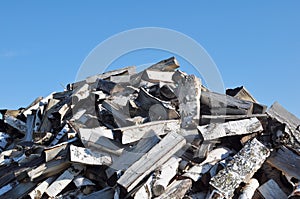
(253, 43)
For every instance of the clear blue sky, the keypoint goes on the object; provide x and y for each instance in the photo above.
(253, 43)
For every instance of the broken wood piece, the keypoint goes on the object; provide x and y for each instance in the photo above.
(29, 128)
(99, 139)
(188, 94)
(164, 174)
(177, 189)
(213, 131)
(241, 93)
(15, 123)
(153, 159)
(279, 113)
(107, 192)
(63, 180)
(61, 134)
(128, 157)
(241, 168)
(145, 191)
(271, 190)
(249, 190)
(285, 161)
(80, 181)
(155, 76)
(216, 155)
(86, 156)
(19, 191)
(41, 188)
(134, 133)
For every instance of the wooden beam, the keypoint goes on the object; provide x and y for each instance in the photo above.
(154, 158)
(213, 131)
(86, 156)
(134, 133)
(177, 189)
(271, 190)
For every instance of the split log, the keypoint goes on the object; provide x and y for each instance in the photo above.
(163, 175)
(155, 76)
(271, 190)
(285, 161)
(188, 93)
(135, 133)
(177, 189)
(249, 190)
(241, 168)
(145, 191)
(128, 157)
(241, 93)
(86, 156)
(240, 127)
(216, 155)
(62, 181)
(153, 159)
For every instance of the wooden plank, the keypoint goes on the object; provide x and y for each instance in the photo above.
(15, 123)
(241, 168)
(177, 189)
(155, 76)
(86, 156)
(62, 181)
(158, 155)
(216, 101)
(188, 94)
(19, 191)
(128, 157)
(169, 64)
(60, 135)
(106, 193)
(286, 161)
(271, 190)
(29, 128)
(213, 131)
(41, 188)
(135, 133)
(99, 139)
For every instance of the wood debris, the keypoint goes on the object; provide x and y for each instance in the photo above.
(157, 133)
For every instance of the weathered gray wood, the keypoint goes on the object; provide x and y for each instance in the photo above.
(154, 158)
(163, 175)
(163, 109)
(213, 131)
(249, 190)
(132, 134)
(271, 190)
(241, 168)
(241, 93)
(216, 101)
(277, 112)
(99, 139)
(48, 169)
(15, 123)
(231, 117)
(128, 157)
(19, 191)
(216, 155)
(155, 76)
(144, 191)
(86, 156)
(62, 181)
(106, 193)
(60, 135)
(177, 189)
(51, 107)
(41, 188)
(286, 161)
(188, 94)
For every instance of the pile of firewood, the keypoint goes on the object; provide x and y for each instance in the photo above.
(158, 133)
